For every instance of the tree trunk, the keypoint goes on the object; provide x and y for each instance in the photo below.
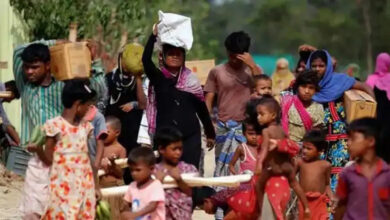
(365, 4)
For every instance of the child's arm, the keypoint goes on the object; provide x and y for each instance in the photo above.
(263, 151)
(114, 169)
(237, 154)
(342, 196)
(301, 195)
(146, 210)
(175, 174)
(340, 209)
(13, 134)
(328, 190)
(99, 153)
(47, 155)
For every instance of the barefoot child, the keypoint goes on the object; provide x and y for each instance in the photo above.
(178, 203)
(270, 161)
(72, 187)
(363, 187)
(246, 152)
(314, 176)
(145, 196)
(263, 86)
(114, 174)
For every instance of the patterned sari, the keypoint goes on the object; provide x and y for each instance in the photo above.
(337, 153)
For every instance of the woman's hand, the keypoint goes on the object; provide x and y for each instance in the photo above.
(155, 30)
(127, 107)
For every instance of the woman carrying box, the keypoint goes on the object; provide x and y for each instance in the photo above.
(332, 87)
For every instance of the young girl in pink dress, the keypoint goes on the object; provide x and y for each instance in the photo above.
(72, 187)
(246, 152)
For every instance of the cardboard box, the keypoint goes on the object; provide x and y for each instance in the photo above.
(70, 60)
(201, 68)
(359, 104)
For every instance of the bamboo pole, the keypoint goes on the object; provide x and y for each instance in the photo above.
(190, 179)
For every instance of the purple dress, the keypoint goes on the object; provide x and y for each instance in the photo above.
(178, 205)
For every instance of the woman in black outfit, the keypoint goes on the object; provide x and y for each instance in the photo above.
(126, 102)
(178, 100)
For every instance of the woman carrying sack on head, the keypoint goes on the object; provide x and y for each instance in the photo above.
(176, 99)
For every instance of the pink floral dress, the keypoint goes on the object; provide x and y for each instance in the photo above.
(72, 188)
(178, 205)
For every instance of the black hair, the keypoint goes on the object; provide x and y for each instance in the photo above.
(319, 54)
(114, 122)
(317, 138)
(76, 89)
(11, 86)
(251, 113)
(165, 136)
(247, 123)
(199, 194)
(272, 105)
(36, 52)
(264, 77)
(369, 127)
(307, 77)
(238, 42)
(143, 155)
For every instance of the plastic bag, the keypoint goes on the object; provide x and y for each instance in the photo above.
(175, 30)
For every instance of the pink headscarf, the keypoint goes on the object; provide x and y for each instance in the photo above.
(381, 77)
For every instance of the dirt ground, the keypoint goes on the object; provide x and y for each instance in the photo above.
(11, 187)
(10, 194)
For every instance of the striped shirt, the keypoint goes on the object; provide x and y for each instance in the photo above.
(41, 103)
(98, 83)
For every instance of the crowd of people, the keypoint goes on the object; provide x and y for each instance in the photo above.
(288, 130)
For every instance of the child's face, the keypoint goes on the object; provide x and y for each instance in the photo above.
(172, 153)
(358, 144)
(309, 152)
(306, 92)
(250, 135)
(83, 108)
(264, 87)
(112, 134)
(208, 206)
(264, 115)
(140, 171)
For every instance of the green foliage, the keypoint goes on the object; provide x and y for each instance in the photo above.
(107, 21)
(276, 26)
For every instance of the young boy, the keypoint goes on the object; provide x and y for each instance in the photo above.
(363, 187)
(112, 150)
(314, 175)
(145, 196)
(262, 86)
(114, 174)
